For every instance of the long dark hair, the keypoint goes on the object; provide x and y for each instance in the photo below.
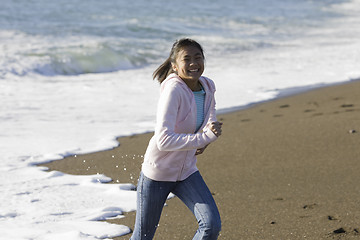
(166, 69)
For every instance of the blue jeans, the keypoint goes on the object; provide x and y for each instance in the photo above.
(151, 197)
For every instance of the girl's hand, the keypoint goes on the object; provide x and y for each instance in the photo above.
(215, 127)
(200, 150)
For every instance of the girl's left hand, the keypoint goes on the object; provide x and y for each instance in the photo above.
(200, 150)
(215, 127)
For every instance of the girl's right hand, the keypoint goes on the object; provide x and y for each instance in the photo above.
(215, 127)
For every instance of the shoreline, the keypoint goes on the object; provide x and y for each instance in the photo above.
(284, 93)
(288, 169)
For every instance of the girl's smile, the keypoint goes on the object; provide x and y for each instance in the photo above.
(189, 66)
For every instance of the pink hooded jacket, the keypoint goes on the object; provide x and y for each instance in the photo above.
(170, 155)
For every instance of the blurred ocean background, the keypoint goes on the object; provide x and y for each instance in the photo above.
(74, 75)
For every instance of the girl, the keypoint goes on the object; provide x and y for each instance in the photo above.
(185, 125)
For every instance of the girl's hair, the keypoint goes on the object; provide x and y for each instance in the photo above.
(166, 69)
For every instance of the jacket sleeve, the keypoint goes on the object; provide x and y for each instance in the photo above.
(166, 137)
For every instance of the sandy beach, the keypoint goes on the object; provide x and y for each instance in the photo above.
(283, 169)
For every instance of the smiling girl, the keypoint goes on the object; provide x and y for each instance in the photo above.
(186, 124)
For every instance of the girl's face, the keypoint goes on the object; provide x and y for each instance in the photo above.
(189, 64)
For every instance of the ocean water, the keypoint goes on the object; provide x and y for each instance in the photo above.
(74, 75)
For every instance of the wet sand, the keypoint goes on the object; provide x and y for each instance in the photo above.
(283, 169)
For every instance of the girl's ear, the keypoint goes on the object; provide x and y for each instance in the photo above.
(174, 67)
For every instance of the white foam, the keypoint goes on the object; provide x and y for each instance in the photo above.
(52, 204)
(47, 120)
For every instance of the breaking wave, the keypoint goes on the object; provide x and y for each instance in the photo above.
(83, 60)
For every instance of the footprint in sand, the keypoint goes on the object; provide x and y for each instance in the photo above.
(343, 230)
(313, 104)
(245, 120)
(339, 230)
(332, 218)
(309, 110)
(310, 206)
(279, 199)
(284, 106)
(347, 105)
(337, 98)
(281, 106)
(317, 114)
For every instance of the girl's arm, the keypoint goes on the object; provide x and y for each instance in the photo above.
(166, 138)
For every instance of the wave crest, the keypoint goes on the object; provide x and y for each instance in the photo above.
(83, 60)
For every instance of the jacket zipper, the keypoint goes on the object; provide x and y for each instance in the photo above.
(187, 152)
